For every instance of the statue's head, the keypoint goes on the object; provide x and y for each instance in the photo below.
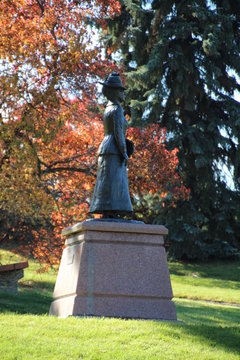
(113, 81)
(113, 88)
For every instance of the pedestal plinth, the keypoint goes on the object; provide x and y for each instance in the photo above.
(114, 269)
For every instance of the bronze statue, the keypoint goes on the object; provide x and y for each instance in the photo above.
(111, 194)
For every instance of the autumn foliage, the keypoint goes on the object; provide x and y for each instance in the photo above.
(153, 171)
(50, 124)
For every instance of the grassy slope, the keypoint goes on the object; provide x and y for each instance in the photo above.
(205, 331)
(35, 337)
(215, 281)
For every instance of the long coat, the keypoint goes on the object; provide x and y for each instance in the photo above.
(111, 193)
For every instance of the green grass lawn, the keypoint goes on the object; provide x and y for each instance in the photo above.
(216, 281)
(204, 331)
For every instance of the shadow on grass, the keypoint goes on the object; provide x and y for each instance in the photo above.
(214, 325)
(36, 285)
(27, 301)
(207, 314)
(219, 270)
(226, 338)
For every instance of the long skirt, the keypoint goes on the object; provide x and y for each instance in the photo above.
(111, 193)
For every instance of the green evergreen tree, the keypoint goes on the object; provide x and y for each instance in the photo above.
(182, 66)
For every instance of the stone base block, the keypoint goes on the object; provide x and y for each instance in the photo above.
(120, 307)
(114, 269)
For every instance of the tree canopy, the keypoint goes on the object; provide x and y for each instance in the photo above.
(182, 70)
(50, 125)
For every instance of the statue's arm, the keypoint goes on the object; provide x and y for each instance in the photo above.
(119, 133)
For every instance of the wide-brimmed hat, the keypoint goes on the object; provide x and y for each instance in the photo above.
(113, 80)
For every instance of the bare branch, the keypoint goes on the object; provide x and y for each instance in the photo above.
(86, 171)
(41, 4)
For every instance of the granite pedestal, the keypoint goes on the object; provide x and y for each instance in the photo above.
(114, 269)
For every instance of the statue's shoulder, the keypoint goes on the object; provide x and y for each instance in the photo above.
(111, 106)
(113, 110)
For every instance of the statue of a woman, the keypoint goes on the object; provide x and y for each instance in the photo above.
(111, 194)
